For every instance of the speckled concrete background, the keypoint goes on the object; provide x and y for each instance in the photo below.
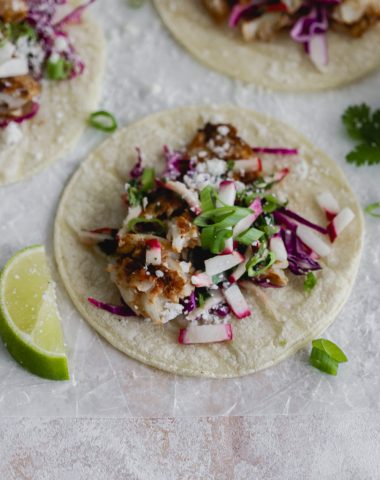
(313, 447)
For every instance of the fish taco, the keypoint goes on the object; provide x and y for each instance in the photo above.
(294, 45)
(51, 66)
(208, 241)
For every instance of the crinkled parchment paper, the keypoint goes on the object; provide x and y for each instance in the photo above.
(148, 72)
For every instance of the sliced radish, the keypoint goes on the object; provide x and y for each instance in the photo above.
(153, 252)
(240, 269)
(237, 302)
(313, 241)
(228, 246)
(247, 221)
(318, 50)
(249, 165)
(340, 222)
(190, 197)
(221, 263)
(14, 67)
(328, 204)
(215, 299)
(276, 244)
(201, 280)
(205, 334)
(227, 194)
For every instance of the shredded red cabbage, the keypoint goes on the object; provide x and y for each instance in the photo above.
(173, 163)
(221, 310)
(304, 221)
(189, 304)
(299, 255)
(137, 170)
(276, 151)
(34, 108)
(121, 310)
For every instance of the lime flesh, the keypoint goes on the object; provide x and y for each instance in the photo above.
(29, 320)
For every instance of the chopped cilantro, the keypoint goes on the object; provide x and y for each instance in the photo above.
(363, 126)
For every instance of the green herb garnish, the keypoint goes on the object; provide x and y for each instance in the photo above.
(208, 198)
(59, 70)
(363, 126)
(230, 165)
(147, 225)
(373, 209)
(326, 356)
(249, 236)
(310, 282)
(148, 179)
(272, 203)
(259, 263)
(104, 121)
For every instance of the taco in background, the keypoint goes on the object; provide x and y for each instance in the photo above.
(294, 45)
(51, 65)
(193, 259)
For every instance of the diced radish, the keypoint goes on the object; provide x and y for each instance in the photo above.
(313, 241)
(211, 302)
(318, 50)
(340, 222)
(328, 204)
(249, 165)
(240, 269)
(14, 67)
(227, 194)
(237, 302)
(247, 221)
(221, 263)
(190, 197)
(153, 252)
(201, 280)
(277, 246)
(281, 174)
(205, 334)
(92, 237)
(228, 246)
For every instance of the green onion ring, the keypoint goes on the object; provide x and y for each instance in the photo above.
(104, 121)
(371, 209)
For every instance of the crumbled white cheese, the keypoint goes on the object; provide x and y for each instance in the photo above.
(171, 310)
(223, 130)
(216, 167)
(159, 273)
(12, 134)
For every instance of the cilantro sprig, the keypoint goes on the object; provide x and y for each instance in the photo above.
(363, 126)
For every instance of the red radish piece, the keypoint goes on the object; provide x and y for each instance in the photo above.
(340, 222)
(313, 241)
(249, 165)
(228, 246)
(153, 252)
(240, 269)
(276, 244)
(205, 334)
(247, 221)
(92, 237)
(211, 302)
(201, 280)
(190, 197)
(328, 204)
(237, 302)
(227, 194)
(221, 263)
(318, 50)
(281, 174)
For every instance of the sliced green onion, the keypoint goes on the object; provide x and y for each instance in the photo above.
(59, 70)
(371, 209)
(148, 179)
(208, 195)
(331, 349)
(271, 203)
(214, 239)
(249, 236)
(321, 360)
(269, 230)
(157, 225)
(103, 121)
(260, 263)
(310, 282)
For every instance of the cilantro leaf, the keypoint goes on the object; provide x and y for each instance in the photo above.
(363, 126)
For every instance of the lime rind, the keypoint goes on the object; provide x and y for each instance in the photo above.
(51, 365)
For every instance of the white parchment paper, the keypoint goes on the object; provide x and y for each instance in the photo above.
(147, 72)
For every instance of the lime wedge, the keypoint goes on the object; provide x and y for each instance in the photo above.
(29, 320)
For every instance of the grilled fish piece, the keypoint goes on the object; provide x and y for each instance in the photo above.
(13, 11)
(151, 291)
(17, 95)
